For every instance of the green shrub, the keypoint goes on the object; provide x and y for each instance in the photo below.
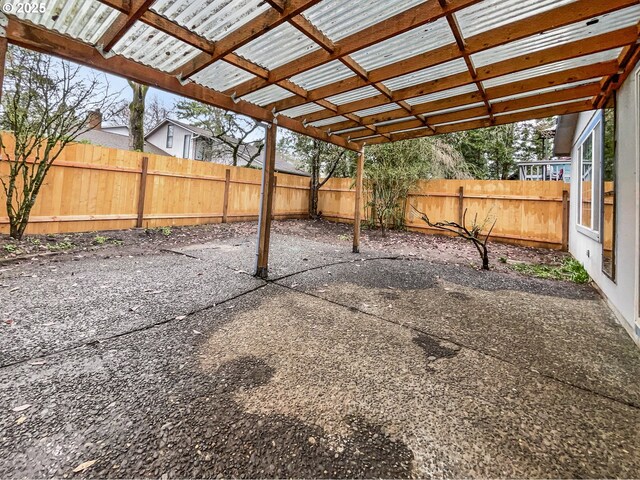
(570, 269)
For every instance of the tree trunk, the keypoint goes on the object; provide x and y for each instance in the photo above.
(313, 211)
(136, 117)
(485, 258)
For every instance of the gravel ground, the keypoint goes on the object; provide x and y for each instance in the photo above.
(137, 362)
(144, 241)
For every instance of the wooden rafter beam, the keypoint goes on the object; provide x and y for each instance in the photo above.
(599, 43)
(574, 107)
(244, 34)
(627, 60)
(505, 106)
(411, 18)
(462, 46)
(40, 39)
(558, 17)
(306, 27)
(530, 85)
(123, 22)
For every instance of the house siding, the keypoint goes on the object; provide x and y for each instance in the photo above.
(621, 294)
(159, 139)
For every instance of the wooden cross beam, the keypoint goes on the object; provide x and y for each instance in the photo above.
(123, 23)
(244, 34)
(40, 39)
(575, 107)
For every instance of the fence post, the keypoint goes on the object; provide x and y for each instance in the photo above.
(460, 205)
(142, 191)
(565, 220)
(225, 202)
(273, 199)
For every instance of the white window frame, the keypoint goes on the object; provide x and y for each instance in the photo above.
(593, 133)
(169, 136)
(186, 146)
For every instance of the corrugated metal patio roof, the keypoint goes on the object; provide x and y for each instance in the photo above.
(353, 71)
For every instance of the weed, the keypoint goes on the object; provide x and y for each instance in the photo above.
(99, 240)
(166, 231)
(64, 245)
(34, 241)
(502, 259)
(116, 242)
(10, 248)
(571, 269)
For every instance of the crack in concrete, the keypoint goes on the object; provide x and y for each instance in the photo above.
(275, 281)
(458, 343)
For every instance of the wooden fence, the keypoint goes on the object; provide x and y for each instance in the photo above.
(526, 213)
(92, 188)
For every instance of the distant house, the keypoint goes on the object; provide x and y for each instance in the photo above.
(559, 169)
(187, 141)
(111, 137)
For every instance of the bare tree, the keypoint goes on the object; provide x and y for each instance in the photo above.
(230, 133)
(45, 106)
(319, 158)
(154, 112)
(474, 234)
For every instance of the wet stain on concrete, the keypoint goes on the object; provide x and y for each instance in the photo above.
(435, 349)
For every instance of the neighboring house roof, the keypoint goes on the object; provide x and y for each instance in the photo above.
(565, 130)
(197, 130)
(114, 140)
(282, 164)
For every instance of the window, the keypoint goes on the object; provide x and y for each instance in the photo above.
(169, 136)
(589, 188)
(186, 148)
(608, 235)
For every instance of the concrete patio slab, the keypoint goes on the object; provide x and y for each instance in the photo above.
(278, 383)
(54, 305)
(560, 329)
(350, 368)
(288, 255)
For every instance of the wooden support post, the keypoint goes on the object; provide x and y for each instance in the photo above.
(565, 220)
(142, 190)
(273, 203)
(266, 203)
(460, 205)
(310, 197)
(3, 48)
(357, 218)
(225, 204)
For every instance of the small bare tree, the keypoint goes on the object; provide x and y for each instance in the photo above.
(230, 133)
(474, 234)
(45, 106)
